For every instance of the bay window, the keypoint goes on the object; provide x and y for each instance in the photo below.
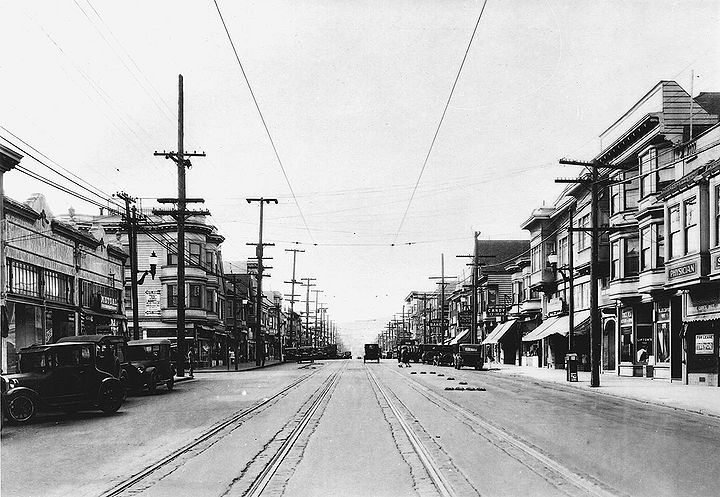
(631, 257)
(660, 245)
(195, 250)
(675, 232)
(172, 254)
(615, 260)
(631, 190)
(646, 248)
(583, 235)
(648, 168)
(196, 296)
(172, 296)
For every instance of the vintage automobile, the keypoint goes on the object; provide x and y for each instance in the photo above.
(372, 352)
(68, 376)
(111, 351)
(149, 364)
(467, 354)
(444, 356)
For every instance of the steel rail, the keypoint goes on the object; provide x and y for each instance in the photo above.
(434, 471)
(580, 481)
(137, 477)
(264, 478)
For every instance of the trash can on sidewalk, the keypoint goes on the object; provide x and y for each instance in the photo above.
(571, 366)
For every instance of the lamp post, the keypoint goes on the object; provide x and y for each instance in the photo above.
(152, 262)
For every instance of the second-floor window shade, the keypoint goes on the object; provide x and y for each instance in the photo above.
(195, 251)
(675, 232)
(692, 241)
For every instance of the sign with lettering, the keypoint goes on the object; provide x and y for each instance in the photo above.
(108, 303)
(717, 262)
(495, 310)
(153, 303)
(687, 269)
(555, 306)
(626, 317)
(704, 344)
(702, 303)
(465, 318)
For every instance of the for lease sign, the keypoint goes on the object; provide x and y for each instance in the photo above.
(704, 343)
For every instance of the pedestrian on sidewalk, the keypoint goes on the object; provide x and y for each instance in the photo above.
(191, 362)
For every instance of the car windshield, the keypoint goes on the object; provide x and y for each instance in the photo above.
(143, 352)
(31, 362)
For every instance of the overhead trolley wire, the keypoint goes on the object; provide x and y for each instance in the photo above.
(442, 117)
(264, 123)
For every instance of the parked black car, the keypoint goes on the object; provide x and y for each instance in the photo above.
(149, 364)
(443, 356)
(468, 355)
(111, 351)
(66, 376)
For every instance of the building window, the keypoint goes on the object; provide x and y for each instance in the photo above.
(631, 257)
(648, 173)
(581, 296)
(196, 292)
(717, 215)
(492, 296)
(535, 262)
(24, 279)
(692, 241)
(210, 260)
(615, 191)
(172, 296)
(615, 260)
(172, 254)
(195, 250)
(646, 248)
(583, 235)
(562, 253)
(58, 287)
(210, 300)
(659, 245)
(631, 190)
(675, 232)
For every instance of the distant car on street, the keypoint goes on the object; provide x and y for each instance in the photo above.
(372, 352)
(67, 376)
(468, 355)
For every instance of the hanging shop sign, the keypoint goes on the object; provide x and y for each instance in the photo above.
(704, 344)
(465, 318)
(495, 310)
(555, 306)
(626, 317)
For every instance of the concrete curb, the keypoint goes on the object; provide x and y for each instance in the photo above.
(572, 386)
(253, 368)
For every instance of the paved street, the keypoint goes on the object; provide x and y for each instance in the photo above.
(348, 428)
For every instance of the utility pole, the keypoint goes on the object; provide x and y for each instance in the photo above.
(259, 337)
(315, 325)
(130, 223)
(180, 214)
(595, 231)
(442, 277)
(292, 289)
(308, 284)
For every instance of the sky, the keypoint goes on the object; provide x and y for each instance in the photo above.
(352, 93)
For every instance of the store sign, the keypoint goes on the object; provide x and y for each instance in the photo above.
(626, 317)
(702, 302)
(555, 306)
(495, 310)
(465, 318)
(108, 303)
(717, 262)
(677, 272)
(153, 304)
(704, 344)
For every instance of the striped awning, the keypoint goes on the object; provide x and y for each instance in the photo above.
(559, 325)
(496, 334)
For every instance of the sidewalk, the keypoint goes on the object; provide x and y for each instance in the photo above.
(697, 399)
(242, 366)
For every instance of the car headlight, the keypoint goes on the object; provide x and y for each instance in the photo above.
(13, 382)
(141, 369)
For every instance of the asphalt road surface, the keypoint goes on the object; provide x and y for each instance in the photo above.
(346, 428)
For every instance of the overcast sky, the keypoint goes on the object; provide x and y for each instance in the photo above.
(352, 93)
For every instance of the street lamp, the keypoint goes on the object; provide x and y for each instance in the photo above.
(152, 262)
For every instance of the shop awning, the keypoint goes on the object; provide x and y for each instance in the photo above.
(499, 332)
(559, 325)
(459, 337)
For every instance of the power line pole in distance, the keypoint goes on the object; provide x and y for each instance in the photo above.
(292, 282)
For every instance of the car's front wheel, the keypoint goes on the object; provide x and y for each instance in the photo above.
(111, 397)
(20, 407)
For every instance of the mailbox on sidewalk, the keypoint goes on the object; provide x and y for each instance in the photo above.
(571, 366)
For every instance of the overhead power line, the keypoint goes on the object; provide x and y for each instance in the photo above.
(442, 117)
(264, 123)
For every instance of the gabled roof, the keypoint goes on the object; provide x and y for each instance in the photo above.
(503, 252)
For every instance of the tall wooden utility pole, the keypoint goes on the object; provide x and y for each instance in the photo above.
(180, 214)
(442, 278)
(259, 337)
(308, 284)
(292, 290)
(132, 247)
(315, 325)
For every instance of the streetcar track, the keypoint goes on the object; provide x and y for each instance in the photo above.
(264, 478)
(442, 484)
(205, 436)
(582, 482)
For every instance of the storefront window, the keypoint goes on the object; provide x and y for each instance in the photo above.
(692, 241)
(675, 232)
(662, 339)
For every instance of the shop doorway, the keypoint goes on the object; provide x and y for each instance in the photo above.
(608, 349)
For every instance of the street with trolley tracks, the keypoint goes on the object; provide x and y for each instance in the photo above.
(346, 427)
